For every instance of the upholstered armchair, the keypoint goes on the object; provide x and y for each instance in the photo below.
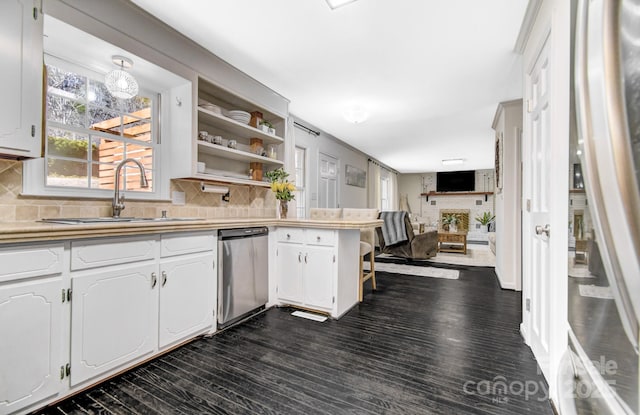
(417, 246)
(325, 214)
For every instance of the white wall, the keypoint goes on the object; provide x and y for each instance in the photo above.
(412, 185)
(348, 196)
(508, 123)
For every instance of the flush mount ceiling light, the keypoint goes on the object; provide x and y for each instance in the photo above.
(334, 4)
(355, 115)
(449, 162)
(119, 83)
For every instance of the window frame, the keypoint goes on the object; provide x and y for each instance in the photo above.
(35, 170)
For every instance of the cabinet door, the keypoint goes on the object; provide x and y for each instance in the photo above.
(30, 326)
(289, 264)
(114, 318)
(318, 277)
(187, 296)
(21, 74)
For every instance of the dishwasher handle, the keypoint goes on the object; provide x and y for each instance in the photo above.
(225, 234)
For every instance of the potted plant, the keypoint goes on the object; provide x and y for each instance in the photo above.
(266, 127)
(485, 219)
(450, 222)
(282, 188)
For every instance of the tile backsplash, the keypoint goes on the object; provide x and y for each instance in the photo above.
(245, 201)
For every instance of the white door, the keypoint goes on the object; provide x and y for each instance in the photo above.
(537, 165)
(30, 359)
(289, 265)
(318, 277)
(114, 318)
(327, 182)
(187, 293)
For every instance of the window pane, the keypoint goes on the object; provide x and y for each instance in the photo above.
(138, 106)
(66, 173)
(65, 111)
(66, 84)
(137, 129)
(99, 96)
(102, 175)
(66, 144)
(102, 119)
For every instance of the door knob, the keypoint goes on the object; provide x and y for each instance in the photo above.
(540, 230)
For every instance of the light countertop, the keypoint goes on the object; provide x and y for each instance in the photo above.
(16, 232)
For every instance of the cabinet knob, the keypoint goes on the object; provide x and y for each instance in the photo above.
(288, 236)
(154, 280)
(318, 238)
(305, 258)
(164, 278)
(299, 256)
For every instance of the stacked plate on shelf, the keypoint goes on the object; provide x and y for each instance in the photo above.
(239, 116)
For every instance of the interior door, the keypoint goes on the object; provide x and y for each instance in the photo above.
(536, 232)
(327, 181)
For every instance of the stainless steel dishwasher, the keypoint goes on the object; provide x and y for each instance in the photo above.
(243, 272)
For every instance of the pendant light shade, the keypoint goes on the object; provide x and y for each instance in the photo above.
(120, 83)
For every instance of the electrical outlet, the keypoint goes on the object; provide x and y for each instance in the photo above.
(528, 304)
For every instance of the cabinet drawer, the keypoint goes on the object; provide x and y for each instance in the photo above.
(30, 261)
(186, 243)
(111, 251)
(291, 235)
(320, 237)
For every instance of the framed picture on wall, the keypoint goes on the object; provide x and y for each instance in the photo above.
(354, 176)
(498, 155)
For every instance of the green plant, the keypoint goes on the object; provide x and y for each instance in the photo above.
(450, 219)
(280, 185)
(267, 123)
(486, 218)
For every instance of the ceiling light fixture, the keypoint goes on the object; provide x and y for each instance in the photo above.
(119, 83)
(355, 115)
(334, 4)
(450, 162)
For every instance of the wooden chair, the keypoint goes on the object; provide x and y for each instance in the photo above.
(367, 245)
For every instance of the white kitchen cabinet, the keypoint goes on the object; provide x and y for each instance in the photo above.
(318, 268)
(243, 164)
(187, 286)
(31, 311)
(134, 296)
(319, 276)
(30, 322)
(290, 271)
(21, 73)
(114, 318)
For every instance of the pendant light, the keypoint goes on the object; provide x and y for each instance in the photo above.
(119, 83)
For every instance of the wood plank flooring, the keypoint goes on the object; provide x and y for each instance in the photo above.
(417, 345)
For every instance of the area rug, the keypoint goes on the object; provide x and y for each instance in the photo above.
(416, 270)
(595, 291)
(579, 271)
(476, 256)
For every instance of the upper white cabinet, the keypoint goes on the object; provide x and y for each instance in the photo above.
(241, 152)
(21, 74)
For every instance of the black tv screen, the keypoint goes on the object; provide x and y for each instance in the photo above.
(456, 181)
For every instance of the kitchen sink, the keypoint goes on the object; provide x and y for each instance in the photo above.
(80, 221)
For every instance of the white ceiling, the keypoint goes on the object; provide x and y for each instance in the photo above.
(429, 72)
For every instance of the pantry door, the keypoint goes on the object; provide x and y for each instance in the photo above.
(327, 181)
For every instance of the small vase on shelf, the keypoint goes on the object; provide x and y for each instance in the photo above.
(284, 208)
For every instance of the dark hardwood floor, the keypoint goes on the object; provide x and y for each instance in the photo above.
(418, 345)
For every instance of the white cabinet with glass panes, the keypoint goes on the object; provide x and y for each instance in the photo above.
(235, 141)
(21, 74)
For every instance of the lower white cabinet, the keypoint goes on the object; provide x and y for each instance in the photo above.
(187, 296)
(317, 269)
(114, 318)
(30, 342)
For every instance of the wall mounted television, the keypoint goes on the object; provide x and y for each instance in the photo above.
(456, 181)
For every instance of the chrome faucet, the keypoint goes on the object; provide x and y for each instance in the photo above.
(118, 201)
